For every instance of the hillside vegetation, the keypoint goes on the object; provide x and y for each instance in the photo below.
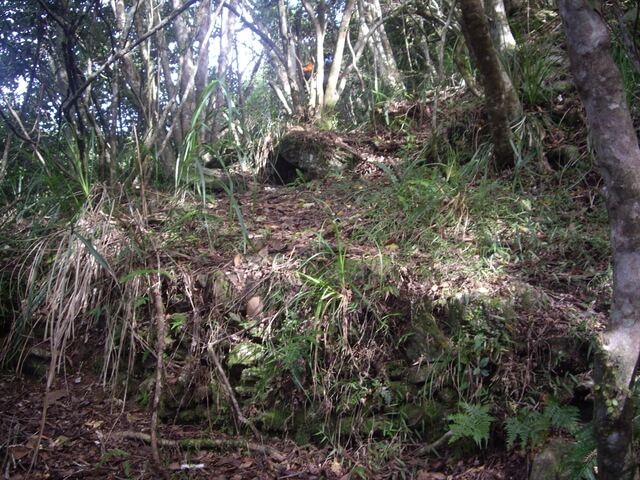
(416, 314)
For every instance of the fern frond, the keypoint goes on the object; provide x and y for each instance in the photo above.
(561, 416)
(474, 422)
(581, 461)
(516, 431)
(530, 428)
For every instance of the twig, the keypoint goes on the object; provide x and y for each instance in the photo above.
(425, 449)
(232, 398)
(159, 307)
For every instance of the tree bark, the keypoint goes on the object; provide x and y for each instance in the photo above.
(332, 89)
(501, 98)
(501, 33)
(386, 66)
(600, 86)
(228, 22)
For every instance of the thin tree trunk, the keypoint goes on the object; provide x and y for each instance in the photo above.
(380, 46)
(501, 33)
(501, 99)
(332, 91)
(600, 86)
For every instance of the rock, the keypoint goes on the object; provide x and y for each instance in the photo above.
(310, 154)
(245, 354)
(424, 342)
(218, 289)
(548, 465)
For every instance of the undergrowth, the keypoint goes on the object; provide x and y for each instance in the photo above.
(412, 323)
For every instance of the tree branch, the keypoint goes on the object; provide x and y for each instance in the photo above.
(125, 50)
(227, 386)
(251, 26)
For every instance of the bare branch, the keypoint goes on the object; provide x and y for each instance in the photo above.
(125, 50)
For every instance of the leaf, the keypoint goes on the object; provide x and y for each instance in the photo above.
(562, 416)
(111, 454)
(254, 307)
(474, 422)
(99, 258)
(386, 169)
(530, 428)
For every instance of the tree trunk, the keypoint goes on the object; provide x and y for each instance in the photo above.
(386, 66)
(500, 30)
(501, 98)
(600, 86)
(332, 90)
(228, 22)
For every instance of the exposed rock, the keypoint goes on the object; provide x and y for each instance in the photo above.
(245, 354)
(218, 290)
(424, 341)
(548, 465)
(311, 154)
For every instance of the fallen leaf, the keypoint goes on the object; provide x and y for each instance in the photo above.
(94, 423)
(19, 451)
(54, 396)
(336, 468)
(254, 307)
(61, 440)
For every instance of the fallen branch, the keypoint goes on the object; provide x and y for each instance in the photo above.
(160, 323)
(201, 443)
(425, 449)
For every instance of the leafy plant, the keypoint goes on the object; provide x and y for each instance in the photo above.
(295, 352)
(581, 461)
(531, 69)
(473, 422)
(178, 321)
(116, 453)
(630, 75)
(191, 169)
(530, 428)
(144, 398)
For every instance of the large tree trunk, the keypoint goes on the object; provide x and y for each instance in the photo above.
(600, 86)
(501, 98)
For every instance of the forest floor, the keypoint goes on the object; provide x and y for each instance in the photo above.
(89, 434)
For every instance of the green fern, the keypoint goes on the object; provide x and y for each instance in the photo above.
(562, 416)
(530, 428)
(473, 422)
(581, 462)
